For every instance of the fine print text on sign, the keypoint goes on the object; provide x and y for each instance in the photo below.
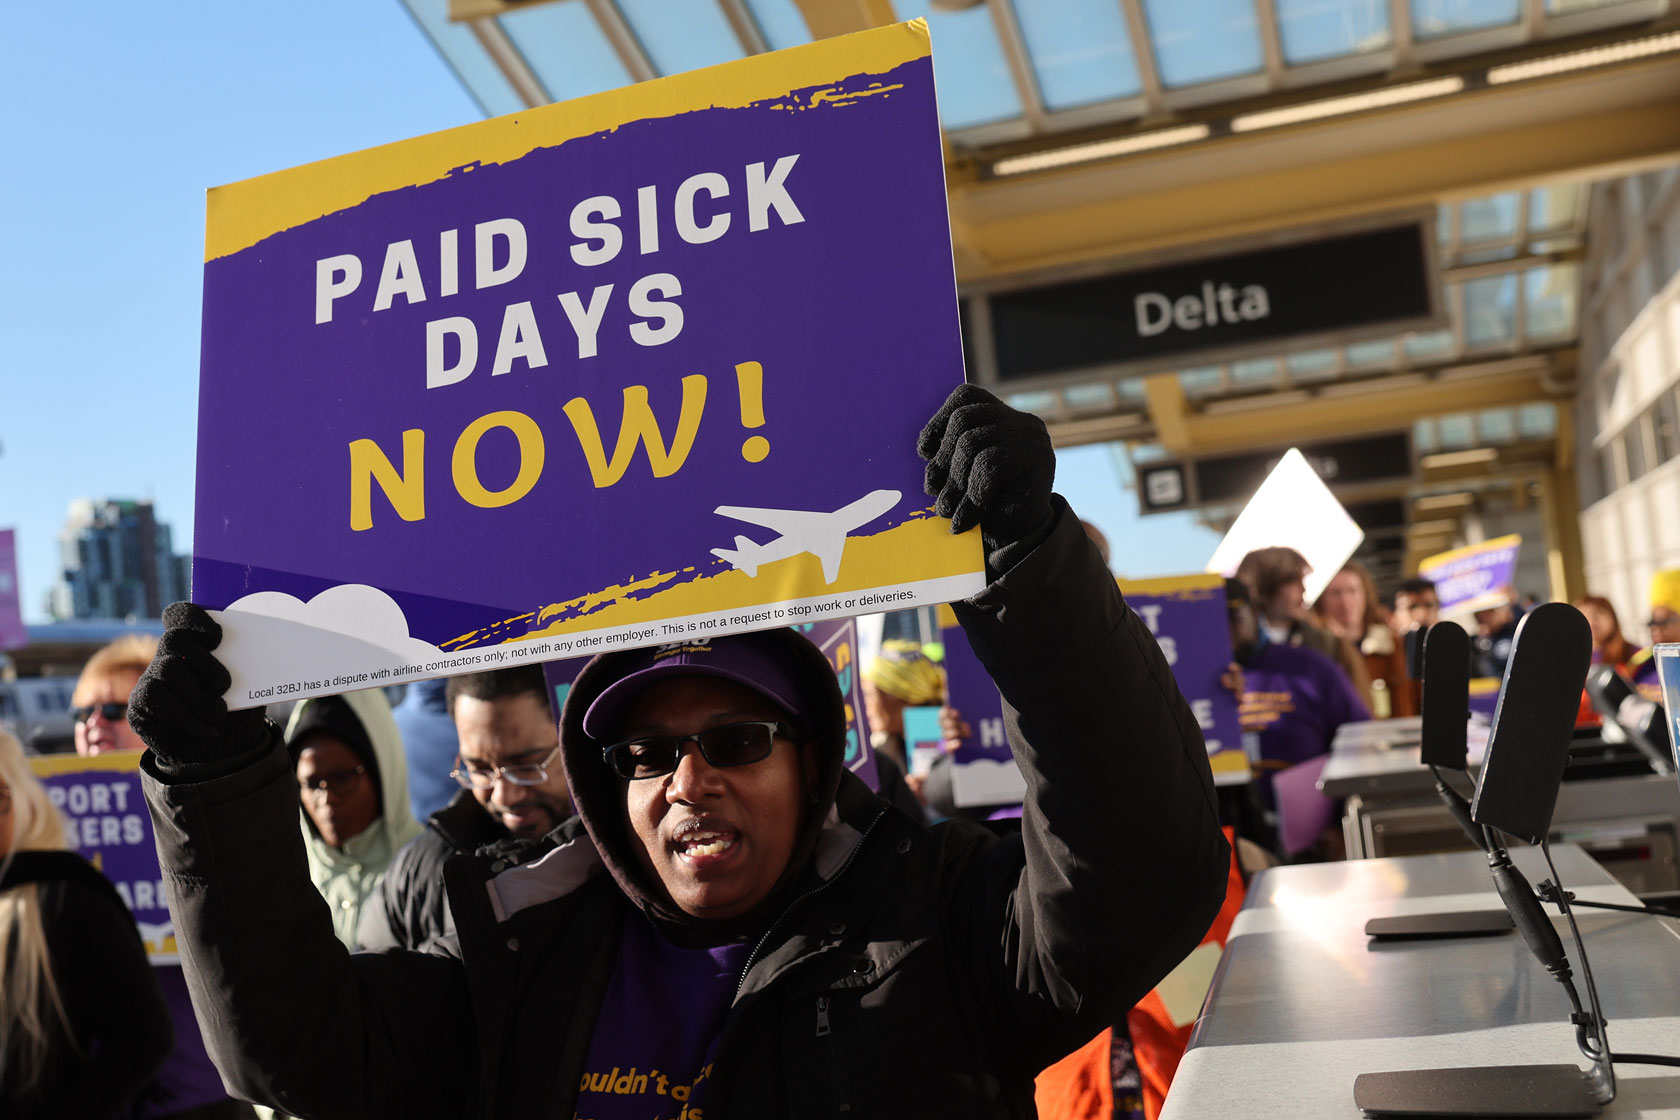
(619, 371)
(105, 816)
(1186, 614)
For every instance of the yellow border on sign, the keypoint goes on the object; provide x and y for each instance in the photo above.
(51, 765)
(1172, 585)
(241, 214)
(1510, 540)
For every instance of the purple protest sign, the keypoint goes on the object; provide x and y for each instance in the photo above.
(837, 638)
(1186, 614)
(1475, 577)
(601, 374)
(106, 819)
(12, 633)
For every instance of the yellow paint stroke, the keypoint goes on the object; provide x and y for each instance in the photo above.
(1192, 587)
(919, 549)
(241, 214)
(49, 765)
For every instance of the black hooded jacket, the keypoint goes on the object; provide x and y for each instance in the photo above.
(965, 960)
(411, 908)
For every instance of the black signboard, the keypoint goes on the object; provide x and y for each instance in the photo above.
(1231, 479)
(1373, 281)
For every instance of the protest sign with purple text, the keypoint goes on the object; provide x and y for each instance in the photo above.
(1475, 577)
(107, 822)
(636, 368)
(1186, 614)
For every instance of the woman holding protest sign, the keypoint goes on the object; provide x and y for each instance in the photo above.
(733, 925)
(83, 1027)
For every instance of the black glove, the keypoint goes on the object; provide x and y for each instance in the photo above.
(989, 465)
(177, 707)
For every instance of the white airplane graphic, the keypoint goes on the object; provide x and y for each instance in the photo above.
(823, 535)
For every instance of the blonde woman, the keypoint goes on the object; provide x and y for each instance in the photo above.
(82, 1023)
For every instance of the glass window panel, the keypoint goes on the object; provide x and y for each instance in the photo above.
(1088, 396)
(1312, 365)
(1493, 218)
(1563, 7)
(1633, 449)
(681, 35)
(1255, 371)
(1443, 224)
(1550, 294)
(1432, 18)
(1199, 41)
(1428, 346)
(1665, 417)
(1201, 381)
(1423, 437)
(1553, 208)
(1483, 256)
(1080, 50)
(1368, 355)
(1130, 389)
(1490, 311)
(1312, 30)
(565, 49)
(1497, 425)
(970, 73)
(461, 49)
(1456, 432)
(1536, 421)
(1033, 402)
(781, 23)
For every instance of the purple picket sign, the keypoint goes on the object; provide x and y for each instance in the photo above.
(1475, 577)
(597, 375)
(12, 632)
(1186, 614)
(837, 638)
(107, 822)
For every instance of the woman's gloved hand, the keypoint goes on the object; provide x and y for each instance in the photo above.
(177, 706)
(993, 466)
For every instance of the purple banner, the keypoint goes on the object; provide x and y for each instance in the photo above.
(634, 368)
(12, 633)
(1475, 577)
(105, 816)
(837, 638)
(1186, 614)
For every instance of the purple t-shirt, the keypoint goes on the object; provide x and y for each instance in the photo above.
(1296, 698)
(651, 1056)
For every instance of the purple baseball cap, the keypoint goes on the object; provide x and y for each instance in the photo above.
(746, 659)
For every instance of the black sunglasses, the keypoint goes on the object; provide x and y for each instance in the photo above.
(110, 713)
(733, 744)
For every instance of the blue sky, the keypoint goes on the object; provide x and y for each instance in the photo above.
(116, 124)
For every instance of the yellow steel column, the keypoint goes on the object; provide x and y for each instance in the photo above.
(1560, 511)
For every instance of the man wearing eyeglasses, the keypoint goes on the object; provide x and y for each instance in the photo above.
(734, 927)
(512, 788)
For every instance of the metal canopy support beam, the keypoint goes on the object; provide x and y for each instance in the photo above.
(1478, 144)
(746, 28)
(1169, 412)
(1020, 65)
(1379, 406)
(1143, 49)
(827, 18)
(510, 62)
(624, 41)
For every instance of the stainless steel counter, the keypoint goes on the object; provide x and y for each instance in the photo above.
(1303, 1002)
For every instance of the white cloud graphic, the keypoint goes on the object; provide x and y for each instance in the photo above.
(274, 639)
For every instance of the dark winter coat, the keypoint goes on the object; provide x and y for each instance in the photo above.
(911, 972)
(411, 908)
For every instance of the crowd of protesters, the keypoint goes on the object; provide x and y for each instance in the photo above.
(669, 897)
